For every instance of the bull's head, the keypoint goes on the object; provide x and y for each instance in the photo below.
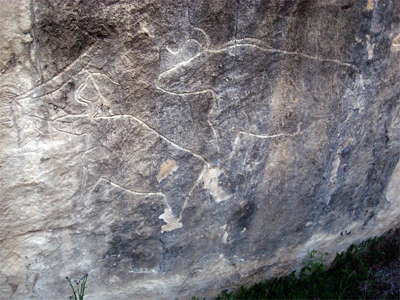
(240, 75)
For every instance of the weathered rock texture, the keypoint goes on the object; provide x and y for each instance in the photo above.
(172, 148)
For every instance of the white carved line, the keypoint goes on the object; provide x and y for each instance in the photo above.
(68, 132)
(105, 75)
(58, 81)
(129, 191)
(183, 63)
(157, 133)
(264, 136)
(214, 96)
(261, 136)
(104, 100)
(56, 120)
(254, 43)
(196, 183)
(70, 116)
(171, 51)
(77, 94)
(273, 50)
(206, 36)
(171, 222)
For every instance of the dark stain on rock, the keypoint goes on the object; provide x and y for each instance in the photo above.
(242, 217)
(135, 243)
(138, 252)
(64, 31)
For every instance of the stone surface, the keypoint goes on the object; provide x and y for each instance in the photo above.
(174, 148)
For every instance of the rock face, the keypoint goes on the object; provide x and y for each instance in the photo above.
(173, 148)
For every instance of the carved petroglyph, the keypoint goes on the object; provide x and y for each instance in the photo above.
(167, 168)
(203, 38)
(203, 159)
(196, 41)
(91, 94)
(209, 178)
(94, 98)
(62, 78)
(180, 158)
(129, 191)
(266, 136)
(255, 44)
(211, 112)
(195, 184)
(259, 45)
(190, 76)
(168, 217)
(96, 93)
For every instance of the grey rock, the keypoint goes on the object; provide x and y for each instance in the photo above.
(176, 148)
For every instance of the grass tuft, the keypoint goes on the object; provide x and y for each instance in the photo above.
(78, 287)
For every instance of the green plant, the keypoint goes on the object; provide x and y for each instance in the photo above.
(352, 275)
(313, 264)
(78, 290)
